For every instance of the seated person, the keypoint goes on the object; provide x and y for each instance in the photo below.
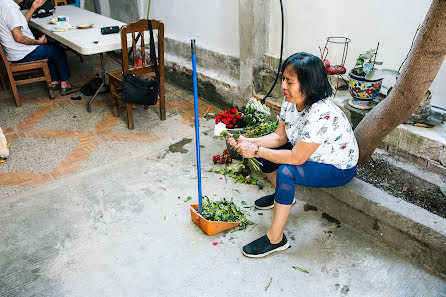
(313, 146)
(20, 45)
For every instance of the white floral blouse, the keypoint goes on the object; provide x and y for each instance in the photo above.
(323, 123)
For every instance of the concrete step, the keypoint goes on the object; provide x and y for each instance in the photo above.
(408, 229)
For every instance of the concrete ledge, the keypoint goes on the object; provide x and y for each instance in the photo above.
(408, 229)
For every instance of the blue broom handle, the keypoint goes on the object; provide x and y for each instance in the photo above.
(197, 123)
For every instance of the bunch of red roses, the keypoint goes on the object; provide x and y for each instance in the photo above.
(222, 159)
(231, 117)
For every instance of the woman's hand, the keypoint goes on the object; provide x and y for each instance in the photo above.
(242, 139)
(230, 140)
(246, 149)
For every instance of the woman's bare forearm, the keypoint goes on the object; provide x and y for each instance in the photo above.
(270, 140)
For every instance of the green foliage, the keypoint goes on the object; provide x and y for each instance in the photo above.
(262, 129)
(367, 61)
(224, 211)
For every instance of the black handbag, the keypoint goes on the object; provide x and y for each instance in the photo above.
(138, 90)
(43, 11)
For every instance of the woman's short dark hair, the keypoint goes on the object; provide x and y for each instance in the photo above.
(312, 76)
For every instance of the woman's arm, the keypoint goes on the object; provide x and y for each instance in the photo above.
(297, 156)
(275, 139)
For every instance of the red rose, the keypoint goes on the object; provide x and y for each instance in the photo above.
(234, 110)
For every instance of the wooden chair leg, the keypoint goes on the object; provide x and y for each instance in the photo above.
(46, 72)
(115, 107)
(14, 90)
(162, 103)
(3, 80)
(130, 116)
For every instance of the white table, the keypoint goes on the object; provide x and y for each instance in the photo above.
(84, 41)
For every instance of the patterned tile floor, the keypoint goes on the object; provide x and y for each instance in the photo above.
(50, 140)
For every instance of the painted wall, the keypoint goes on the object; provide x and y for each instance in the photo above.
(392, 23)
(213, 24)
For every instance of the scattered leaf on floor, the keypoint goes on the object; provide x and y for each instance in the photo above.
(2, 161)
(260, 213)
(214, 243)
(424, 125)
(194, 242)
(188, 198)
(405, 187)
(300, 269)
(269, 283)
(164, 218)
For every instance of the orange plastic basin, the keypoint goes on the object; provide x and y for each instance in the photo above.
(209, 227)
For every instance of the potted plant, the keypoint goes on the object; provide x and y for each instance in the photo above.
(364, 85)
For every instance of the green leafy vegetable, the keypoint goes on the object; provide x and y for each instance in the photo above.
(270, 281)
(224, 211)
(300, 269)
(262, 129)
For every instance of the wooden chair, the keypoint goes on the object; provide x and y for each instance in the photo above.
(146, 71)
(23, 69)
(58, 2)
(2, 79)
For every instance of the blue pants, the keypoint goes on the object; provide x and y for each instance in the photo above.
(57, 60)
(309, 174)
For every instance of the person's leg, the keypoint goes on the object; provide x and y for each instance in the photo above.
(57, 63)
(41, 52)
(272, 177)
(309, 174)
(280, 216)
(270, 170)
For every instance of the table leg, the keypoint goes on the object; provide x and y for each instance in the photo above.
(102, 84)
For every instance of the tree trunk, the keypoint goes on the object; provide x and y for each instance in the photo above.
(418, 73)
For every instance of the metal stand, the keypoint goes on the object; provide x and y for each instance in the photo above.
(101, 85)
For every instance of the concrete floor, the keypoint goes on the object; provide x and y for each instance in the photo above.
(125, 230)
(118, 225)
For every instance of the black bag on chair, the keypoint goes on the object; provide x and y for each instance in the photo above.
(138, 90)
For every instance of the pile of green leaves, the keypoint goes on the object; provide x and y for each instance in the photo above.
(224, 211)
(262, 129)
(240, 178)
(233, 172)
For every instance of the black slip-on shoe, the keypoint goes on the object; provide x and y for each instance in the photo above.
(55, 87)
(266, 202)
(262, 247)
(67, 91)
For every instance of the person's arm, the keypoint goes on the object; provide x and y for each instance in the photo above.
(36, 4)
(275, 139)
(297, 156)
(21, 38)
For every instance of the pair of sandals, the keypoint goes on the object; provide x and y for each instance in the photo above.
(64, 91)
